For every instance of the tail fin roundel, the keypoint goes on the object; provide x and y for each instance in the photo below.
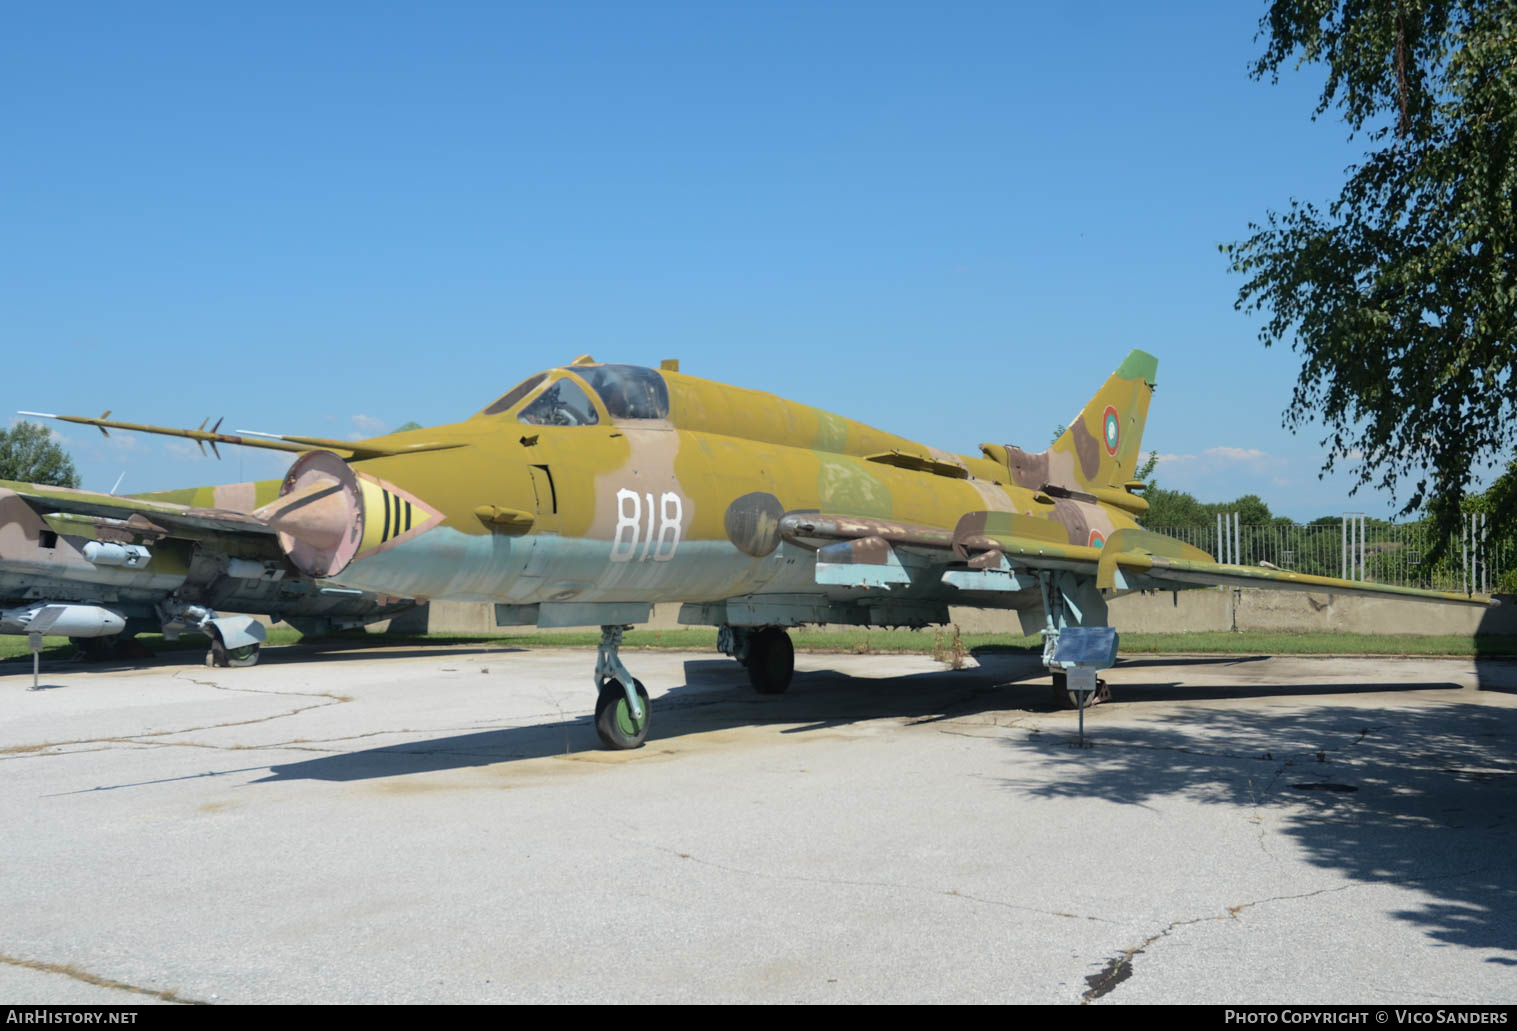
(1100, 448)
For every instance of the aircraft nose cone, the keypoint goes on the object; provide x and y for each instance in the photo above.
(319, 514)
(316, 515)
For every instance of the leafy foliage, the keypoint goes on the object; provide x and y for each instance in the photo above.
(29, 454)
(1401, 297)
(1498, 502)
(1178, 509)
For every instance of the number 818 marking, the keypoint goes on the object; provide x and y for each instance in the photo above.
(666, 524)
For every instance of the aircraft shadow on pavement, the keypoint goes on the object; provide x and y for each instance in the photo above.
(716, 696)
(282, 655)
(1137, 662)
(358, 652)
(1497, 672)
(1423, 797)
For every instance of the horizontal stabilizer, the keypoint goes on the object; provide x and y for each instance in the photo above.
(1142, 542)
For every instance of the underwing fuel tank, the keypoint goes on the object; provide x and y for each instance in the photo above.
(62, 620)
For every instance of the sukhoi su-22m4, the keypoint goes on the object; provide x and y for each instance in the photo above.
(589, 492)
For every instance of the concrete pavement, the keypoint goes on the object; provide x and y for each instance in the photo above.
(425, 824)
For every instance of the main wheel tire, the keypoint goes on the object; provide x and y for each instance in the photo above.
(613, 716)
(1064, 698)
(771, 661)
(221, 655)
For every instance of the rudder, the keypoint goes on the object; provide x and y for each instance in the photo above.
(1102, 444)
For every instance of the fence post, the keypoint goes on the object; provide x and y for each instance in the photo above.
(1464, 550)
(1362, 573)
(1343, 547)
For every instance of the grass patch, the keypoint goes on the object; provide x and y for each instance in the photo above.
(14, 646)
(945, 644)
(1263, 643)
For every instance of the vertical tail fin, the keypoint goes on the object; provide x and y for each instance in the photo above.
(1100, 448)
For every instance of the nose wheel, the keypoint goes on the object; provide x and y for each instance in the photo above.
(622, 710)
(614, 722)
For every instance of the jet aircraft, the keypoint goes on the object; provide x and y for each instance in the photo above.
(101, 568)
(588, 492)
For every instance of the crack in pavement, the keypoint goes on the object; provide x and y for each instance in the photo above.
(1390, 992)
(1310, 756)
(34, 751)
(296, 745)
(976, 737)
(563, 720)
(68, 970)
(795, 878)
(1119, 968)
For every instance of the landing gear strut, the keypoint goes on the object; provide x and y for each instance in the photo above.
(622, 709)
(1072, 607)
(767, 652)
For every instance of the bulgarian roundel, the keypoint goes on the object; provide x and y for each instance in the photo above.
(1096, 540)
(1111, 430)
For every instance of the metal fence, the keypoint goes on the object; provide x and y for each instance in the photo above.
(1357, 548)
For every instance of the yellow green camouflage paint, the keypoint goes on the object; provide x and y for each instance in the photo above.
(595, 483)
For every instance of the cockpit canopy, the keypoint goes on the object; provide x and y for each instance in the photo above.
(515, 394)
(562, 404)
(627, 391)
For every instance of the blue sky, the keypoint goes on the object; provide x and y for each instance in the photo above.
(949, 220)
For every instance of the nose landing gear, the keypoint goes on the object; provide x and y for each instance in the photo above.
(622, 709)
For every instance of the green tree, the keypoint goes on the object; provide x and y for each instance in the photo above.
(1401, 297)
(29, 454)
(1175, 508)
(1499, 498)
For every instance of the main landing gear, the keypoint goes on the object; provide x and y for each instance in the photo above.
(622, 709)
(1075, 634)
(766, 652)
(221, 655)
